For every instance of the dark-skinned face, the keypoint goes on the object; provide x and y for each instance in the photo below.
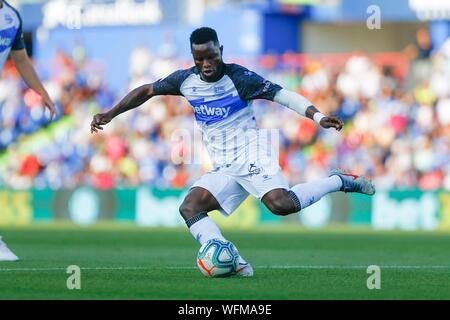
(208, 60)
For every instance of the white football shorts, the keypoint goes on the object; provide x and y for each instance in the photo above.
(232, 185)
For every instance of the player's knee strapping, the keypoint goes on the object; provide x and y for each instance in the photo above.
(295, 199)
(203, 228)
(196, 218)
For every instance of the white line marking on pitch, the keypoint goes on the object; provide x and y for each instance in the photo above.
(82, 268)
(342, 267)
(336, 267)
(353, 267)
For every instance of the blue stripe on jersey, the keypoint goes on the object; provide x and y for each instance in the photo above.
(7, 38)
(216, 110)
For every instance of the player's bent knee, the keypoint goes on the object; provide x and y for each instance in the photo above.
(187, 210)
(197, 201)
(280, 208)
(279, 202)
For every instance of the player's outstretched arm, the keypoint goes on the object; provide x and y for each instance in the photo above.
(324, 121)
(132, 100)
(304, 107)
(27, 72)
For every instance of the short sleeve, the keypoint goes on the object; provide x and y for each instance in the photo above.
(250, 85)
(171, 84)
(18, 43)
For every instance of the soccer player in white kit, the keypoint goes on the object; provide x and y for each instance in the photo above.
(12, 43)
(221, 95)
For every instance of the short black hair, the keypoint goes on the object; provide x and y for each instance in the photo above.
(204, 35)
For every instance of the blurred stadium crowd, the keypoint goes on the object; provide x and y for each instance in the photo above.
(397, 123)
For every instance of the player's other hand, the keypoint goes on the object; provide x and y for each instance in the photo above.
(99, 120)
(48, 103)
(331, 122)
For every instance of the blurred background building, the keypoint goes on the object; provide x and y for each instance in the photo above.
(389, 82)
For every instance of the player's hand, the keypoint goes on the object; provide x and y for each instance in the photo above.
(99, 120)
(331, 122)
(48, 103)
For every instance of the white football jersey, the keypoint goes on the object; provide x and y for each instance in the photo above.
(223, 111)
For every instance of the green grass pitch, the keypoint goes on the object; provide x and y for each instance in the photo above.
(120, 262)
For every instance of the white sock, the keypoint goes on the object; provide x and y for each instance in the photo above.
(311, 192)
(205, 229)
